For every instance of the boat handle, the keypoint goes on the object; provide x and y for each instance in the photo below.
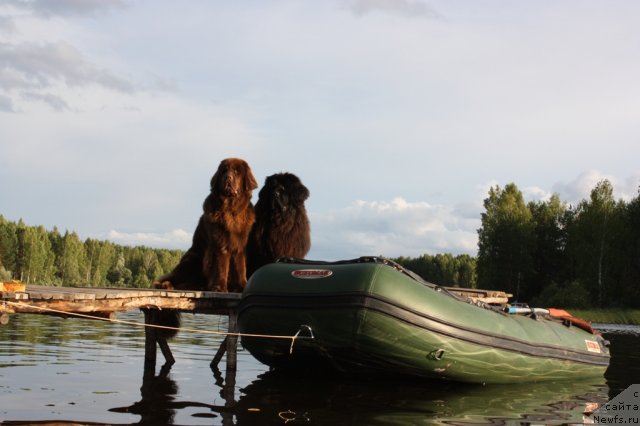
(307, 328)
(297, 336)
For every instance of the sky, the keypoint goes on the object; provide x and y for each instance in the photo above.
(398, 115)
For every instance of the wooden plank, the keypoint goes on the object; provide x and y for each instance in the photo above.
(104, 300)
(493, 297)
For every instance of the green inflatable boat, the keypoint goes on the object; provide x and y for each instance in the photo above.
(371, 316)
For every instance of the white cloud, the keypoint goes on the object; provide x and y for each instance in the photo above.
(535, 193)
(6, 104)
(7, 24)
(50, 8)
(29, 71)
(55, 102)
(580, 188)
(392, 228)
(408, 8)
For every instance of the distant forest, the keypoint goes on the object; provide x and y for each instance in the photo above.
(544, 252)
(34, 255)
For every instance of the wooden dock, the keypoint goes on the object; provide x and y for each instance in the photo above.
(103, 303)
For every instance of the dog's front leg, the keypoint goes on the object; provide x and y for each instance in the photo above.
(218, 278)
(240, 272)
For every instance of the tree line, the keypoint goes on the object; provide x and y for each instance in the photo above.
(32, 254)
(443, 269)
(543, 252)
(550, 253)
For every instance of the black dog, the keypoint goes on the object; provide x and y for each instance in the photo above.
(282, 226)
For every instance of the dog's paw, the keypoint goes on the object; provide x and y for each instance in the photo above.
(219, 288)
(237, 287)
(164, 285)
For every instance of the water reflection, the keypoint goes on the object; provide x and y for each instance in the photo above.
(624, 367)
(275, 398)
(53, 370)
(159, 404)
(158, 395)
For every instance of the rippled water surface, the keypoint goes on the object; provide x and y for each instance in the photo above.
(77, 370)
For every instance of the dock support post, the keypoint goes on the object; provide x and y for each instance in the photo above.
(229, 388)
(229, 344)
(220, 353)
(232, 342)
(151, 338)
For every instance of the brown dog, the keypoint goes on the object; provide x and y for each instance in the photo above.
(216, 260)
(282, 226)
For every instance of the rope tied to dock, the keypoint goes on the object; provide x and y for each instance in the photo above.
(180, 329)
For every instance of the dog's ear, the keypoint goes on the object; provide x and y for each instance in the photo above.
(250, 182)
(214, 182)
(216, 176)
(300, 193)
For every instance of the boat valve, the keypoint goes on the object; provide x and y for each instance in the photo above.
(436, 355)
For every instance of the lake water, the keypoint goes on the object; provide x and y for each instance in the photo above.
(54, 370)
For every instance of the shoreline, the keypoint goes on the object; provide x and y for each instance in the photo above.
(608, 316)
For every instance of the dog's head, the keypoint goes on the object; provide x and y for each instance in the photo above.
(282, 191)
(233, 178)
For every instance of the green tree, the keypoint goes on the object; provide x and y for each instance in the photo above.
(167, 260)
(443, 269)
(569, 295)
(629, 289)
(467, 276)
(505, 243)
(120, 275)
(100, 258)
(20, 251)
(71, 262)
(39, 259)
(591, 244)
(549, 242)
(35, 255)
(143, 264)
(8, 247)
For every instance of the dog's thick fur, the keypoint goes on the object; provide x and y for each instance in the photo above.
(282, 226)
(216, 260)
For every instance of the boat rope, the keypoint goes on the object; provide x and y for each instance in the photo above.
(165, 327)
